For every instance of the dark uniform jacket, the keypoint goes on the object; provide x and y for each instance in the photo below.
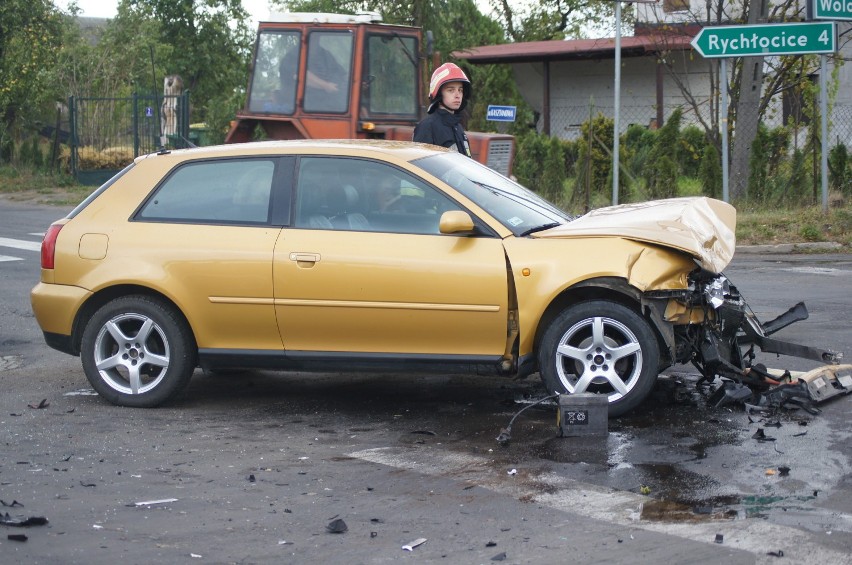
(444, 129)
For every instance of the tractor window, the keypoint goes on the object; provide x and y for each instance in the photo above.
(391, 75)
(329, 72)
(273, 84)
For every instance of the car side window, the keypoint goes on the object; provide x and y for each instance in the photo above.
(360, 195)
(226, 191)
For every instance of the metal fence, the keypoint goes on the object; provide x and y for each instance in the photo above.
(108, 133)
(798, 158)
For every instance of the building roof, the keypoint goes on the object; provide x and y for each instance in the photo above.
(559, 50)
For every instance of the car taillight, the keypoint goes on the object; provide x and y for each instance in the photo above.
(48, 246)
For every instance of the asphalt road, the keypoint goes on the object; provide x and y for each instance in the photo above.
(253, 466)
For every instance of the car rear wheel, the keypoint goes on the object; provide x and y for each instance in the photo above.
(600, 347)
(137, 351)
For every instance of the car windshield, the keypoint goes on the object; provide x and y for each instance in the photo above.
(519, 209)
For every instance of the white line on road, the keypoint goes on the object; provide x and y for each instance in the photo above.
(614, 506)
(8, 258)
(20, 244)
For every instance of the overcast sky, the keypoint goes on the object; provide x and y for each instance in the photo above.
(259, 9)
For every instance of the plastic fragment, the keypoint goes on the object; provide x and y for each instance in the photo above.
(411, 545)
(195, 555)
(719, 538)
(499, 557)
(6, 520)
(337, 526)
(17, 537)
(41, 405)
(784, 470)
(513, 472)
(770, 472)
(778, 553)
(150, 502)
(491, 544)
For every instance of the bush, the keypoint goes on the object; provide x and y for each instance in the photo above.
(690, 150)
(710, 172)
(840, 169)
(662, 170)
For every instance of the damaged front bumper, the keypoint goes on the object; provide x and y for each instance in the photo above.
(720, 339)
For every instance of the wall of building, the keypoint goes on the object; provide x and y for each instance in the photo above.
(581, 87)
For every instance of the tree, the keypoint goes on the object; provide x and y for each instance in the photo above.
(754, 81)
(29, 43)
(551, 19)
(210, 44)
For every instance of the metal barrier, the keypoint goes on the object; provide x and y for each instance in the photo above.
(108, 133)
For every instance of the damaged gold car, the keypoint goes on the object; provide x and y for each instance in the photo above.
(354, 255)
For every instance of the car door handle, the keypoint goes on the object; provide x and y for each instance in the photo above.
(305, 259)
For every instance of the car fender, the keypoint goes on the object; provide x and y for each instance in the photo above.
(545, 270)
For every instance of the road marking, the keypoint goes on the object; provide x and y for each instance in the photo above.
(20, 244)
(8, 258)
(543, 486)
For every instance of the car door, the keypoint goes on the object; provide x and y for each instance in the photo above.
(352, 278)
(214, 241)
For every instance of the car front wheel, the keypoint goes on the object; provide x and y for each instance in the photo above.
(137, 351)
(600, 347)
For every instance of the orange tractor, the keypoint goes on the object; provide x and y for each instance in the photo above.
(335, 76)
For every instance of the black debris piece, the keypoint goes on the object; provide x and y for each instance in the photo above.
(499, 557)
(719, 538)
(374, 534)
(729, 393)
(251, 478)
(760, 435)
(337, 526)
(17, 537)
(783, 470)
(800, 434)
(71, 411)
(778, 553)
(82, 484)
(287, 511)
(377, 520)
(6, 520)
(43, 404)
(12, 504)
(491, 544)
(424, 432)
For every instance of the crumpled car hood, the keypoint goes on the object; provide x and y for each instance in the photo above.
(703, 227)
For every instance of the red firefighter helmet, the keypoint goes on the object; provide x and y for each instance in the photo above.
(448, 72)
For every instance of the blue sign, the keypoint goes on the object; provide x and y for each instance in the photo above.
(149, 112)
(501, 113)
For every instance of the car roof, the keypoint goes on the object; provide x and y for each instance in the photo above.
(402, 150)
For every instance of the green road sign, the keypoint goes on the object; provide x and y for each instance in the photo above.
(831, 9)
(766, 39)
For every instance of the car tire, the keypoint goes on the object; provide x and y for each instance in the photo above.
(137, 351)
(601, 347)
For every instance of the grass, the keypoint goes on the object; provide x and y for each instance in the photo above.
(24, 183)
(794, 225)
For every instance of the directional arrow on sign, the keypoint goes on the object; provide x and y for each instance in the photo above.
(766, 39)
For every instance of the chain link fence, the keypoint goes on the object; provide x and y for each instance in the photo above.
(783, 164)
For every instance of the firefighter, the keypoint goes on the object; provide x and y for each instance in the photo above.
(449, 91)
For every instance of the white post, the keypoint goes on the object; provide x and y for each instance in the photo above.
(723, 118)
(823, 108)
(616, 102)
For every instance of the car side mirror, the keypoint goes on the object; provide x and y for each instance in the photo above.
(456, 221)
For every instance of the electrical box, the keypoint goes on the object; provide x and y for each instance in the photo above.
(583, 414)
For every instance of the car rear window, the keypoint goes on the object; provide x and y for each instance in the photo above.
(226, 191)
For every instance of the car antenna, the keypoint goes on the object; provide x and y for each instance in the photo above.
(162, 149)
